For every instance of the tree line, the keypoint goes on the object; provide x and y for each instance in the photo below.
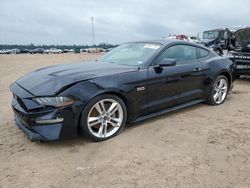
(32, 46)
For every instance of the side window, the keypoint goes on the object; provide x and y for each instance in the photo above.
(183, 54)
(201, 53)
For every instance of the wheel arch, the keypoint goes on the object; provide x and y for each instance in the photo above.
(228, 76)
(118, 94)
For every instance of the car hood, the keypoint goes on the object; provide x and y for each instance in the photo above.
(50, 80)
(243, 37)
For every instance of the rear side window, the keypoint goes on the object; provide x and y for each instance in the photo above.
(201, 53)
(181, 53)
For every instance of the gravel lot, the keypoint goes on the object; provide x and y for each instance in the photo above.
(201, 146)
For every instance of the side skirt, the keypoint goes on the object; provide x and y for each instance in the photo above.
(185, 105)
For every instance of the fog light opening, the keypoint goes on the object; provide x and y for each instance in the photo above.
(49, 121)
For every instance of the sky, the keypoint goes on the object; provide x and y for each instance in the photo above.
(115, 21)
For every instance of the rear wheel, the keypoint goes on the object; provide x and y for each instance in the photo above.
(103, 118)
(219, 91)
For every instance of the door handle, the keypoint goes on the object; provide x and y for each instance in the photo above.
(197, 69)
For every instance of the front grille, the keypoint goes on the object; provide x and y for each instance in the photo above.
(242, 62)
(241, 58)
(21, 114)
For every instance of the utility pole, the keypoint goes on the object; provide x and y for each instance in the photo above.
(93, 36)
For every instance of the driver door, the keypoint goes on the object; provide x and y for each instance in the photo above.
(172, 85)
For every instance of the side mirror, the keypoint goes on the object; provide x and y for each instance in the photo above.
(167, 62)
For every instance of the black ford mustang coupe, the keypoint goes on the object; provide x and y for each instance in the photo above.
(132, 82)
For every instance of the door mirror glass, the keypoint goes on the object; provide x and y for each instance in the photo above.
(167, 62)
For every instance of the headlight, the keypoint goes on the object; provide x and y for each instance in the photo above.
(54, 101)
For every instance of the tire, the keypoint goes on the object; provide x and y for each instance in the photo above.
(220, 90)
(98, 124)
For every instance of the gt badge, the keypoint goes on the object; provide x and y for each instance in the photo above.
(140, 88)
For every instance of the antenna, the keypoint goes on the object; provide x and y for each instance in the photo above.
(93, 36)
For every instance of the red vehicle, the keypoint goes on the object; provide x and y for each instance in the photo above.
(182, 37)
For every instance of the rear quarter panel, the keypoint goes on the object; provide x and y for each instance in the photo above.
(216, 66)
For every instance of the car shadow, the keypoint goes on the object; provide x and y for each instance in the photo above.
(78, 141)
(244, 79)
(165, 115)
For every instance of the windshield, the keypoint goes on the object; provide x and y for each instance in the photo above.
(133, 54)
(210, 34)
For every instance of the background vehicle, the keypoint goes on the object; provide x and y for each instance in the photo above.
(218, 39)
(132, 82)
(241, 53)
(193, 39)
(53, 51)
(15, 51)
(38, 51)
(93, 50)
(182, 37)
(68, 51)
(5, 51)
(25, 51)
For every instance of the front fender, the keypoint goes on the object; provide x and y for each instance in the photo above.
(124, 85)
(85, 91)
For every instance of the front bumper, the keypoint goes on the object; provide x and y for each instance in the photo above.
(40, 123)
(26, 121)
(33, 136)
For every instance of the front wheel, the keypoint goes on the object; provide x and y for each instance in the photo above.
(103, 118)
(219, 91)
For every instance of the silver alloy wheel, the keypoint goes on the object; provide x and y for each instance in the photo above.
(220, 91)
(105, 118)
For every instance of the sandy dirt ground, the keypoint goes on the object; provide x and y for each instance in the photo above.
(201, 146)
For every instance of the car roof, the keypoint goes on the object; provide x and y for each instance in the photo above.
(166, 42)
(163, 42)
